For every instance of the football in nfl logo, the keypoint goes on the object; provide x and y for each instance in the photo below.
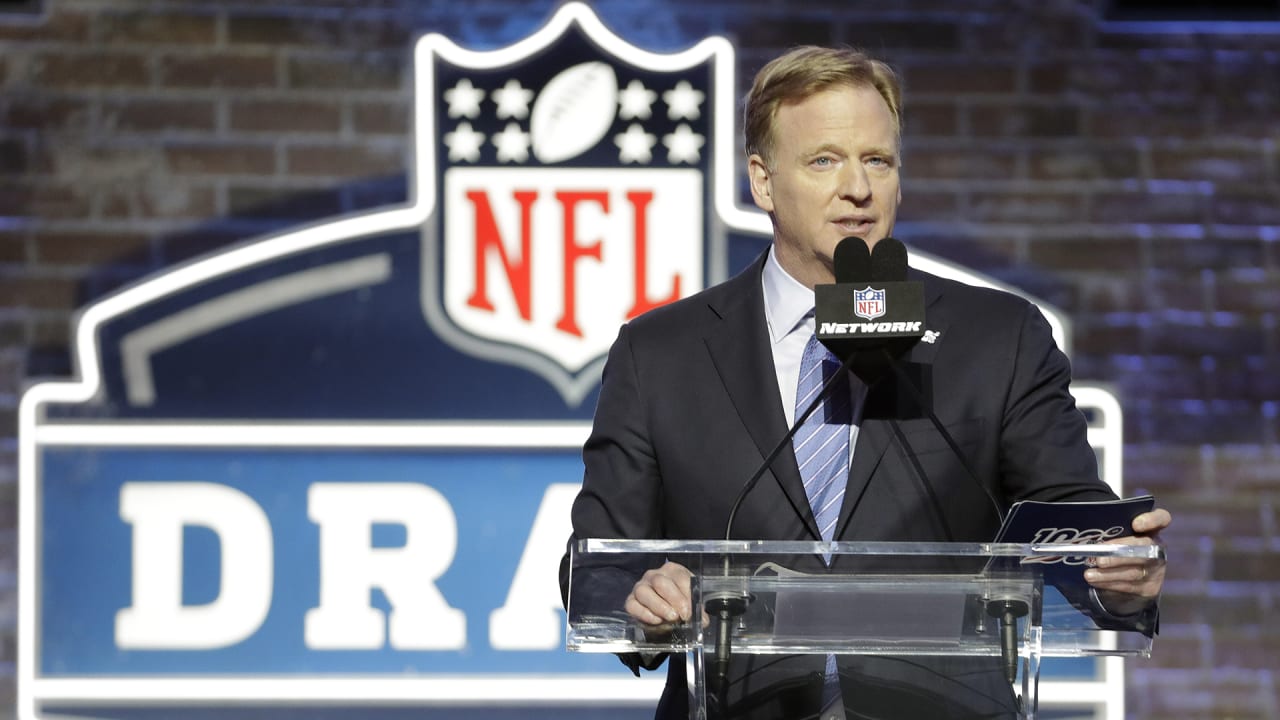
(868, 303)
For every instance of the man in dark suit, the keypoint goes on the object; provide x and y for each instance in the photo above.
(695, 394)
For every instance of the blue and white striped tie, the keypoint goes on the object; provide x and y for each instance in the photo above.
(822, 451)
(822, 442)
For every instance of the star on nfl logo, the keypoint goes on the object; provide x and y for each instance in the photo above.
(868, 303)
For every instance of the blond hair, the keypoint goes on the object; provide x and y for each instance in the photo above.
(807, 70)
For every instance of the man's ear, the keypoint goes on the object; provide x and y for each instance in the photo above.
(761, 183)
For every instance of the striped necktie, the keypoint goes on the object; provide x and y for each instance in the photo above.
(822, 451)
(822, 442)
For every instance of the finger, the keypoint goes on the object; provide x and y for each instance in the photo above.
(1152, 522)
(637, 609)
(675, 594)
(1145, 579)
(662, 606)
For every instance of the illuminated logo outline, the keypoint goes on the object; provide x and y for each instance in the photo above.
(36, 432)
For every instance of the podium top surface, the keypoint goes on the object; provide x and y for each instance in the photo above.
(606, 546)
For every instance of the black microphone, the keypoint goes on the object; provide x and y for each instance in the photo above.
(887, 268)
(870, 306)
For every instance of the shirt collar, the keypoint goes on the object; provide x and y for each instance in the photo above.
(787, 303)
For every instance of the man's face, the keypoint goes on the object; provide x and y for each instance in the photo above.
(834, 175)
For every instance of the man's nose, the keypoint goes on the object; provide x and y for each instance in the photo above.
(854, 183)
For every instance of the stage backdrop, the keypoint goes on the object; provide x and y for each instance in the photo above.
(324, 470)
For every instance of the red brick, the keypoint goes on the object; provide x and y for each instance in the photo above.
(185, 246)
(52, 329)
(221, 70)
(381, 117)
(92, 248)
(1046, 206)
(1182, 609)
(320, 32)
(156, 28)
(1031, 27)
(1192, 334)
(1239, 206)
(36, 111)
(247, 201)
(158, 200)
(345, 161)
(44, 293)
(15, 157)
(14, 246)
(157, 115)
(59, 25)
(279, 30)
(955, 78)
(1245, 564)
(1250, 118)
(1235, 377)
(1142, 118)
(1177, 291)
(1210, 694)
(1255, 648)
(1209, 252)
(29, 198)
(927, 206)
(1248, 292)
(92, 69)
(1185, 652)
(1086, 162)
(14, 330)
(1117, 206)
(1025, 121)
(1161, 377)
(752, 30)
(1243, 468)
(1205, 163)
(1214, 422)
(221, 159)
(285, 116)
(915, 34)
(348, 71)
(921, 160)
(12, 370)
(1101, 337)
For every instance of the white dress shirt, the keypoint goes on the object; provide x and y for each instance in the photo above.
(788, 308)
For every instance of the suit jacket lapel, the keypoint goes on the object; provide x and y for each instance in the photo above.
(740, 348)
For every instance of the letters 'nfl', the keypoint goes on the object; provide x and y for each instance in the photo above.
(868, 303)
(572, 187)
(270, 489)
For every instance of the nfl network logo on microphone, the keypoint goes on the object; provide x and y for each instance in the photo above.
(328, 472)
(868, 303)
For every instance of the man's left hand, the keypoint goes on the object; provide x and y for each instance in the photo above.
(1127, 585)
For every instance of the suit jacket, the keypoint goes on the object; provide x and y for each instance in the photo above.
(689, 408)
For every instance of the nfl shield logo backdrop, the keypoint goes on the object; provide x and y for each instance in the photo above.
(571, 193)
(868, 303)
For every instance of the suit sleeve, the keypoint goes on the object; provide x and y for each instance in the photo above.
(1045, 451)
(1044, 446)
(621, 490)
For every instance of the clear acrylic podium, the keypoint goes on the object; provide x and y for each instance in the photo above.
(902, 621)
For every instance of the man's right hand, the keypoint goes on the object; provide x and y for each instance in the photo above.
(663, 596)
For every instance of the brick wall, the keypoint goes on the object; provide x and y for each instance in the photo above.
(1130, 177)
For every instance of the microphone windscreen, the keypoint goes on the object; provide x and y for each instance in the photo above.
(852, 261)
(888, 261)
